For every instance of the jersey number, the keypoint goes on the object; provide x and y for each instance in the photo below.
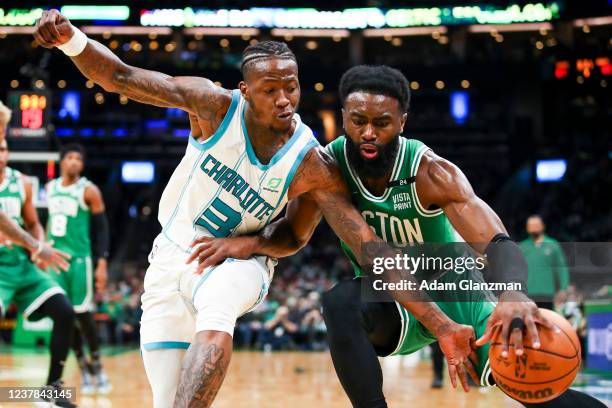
(58, 225)
(219, 219)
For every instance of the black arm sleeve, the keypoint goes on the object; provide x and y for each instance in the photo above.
(506, 262)
(99, 236)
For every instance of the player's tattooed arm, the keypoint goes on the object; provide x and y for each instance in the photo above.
(282, 238)
(44, 255)
(196, 95)
(291, 233)
(14, 233)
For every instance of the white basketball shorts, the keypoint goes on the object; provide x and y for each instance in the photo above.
(177, 303)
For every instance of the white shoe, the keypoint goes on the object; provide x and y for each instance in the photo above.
(87, 386)
(103, 385)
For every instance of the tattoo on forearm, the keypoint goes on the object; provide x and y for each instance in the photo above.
(343, 222)
(202, 375)
(15, 233)
(197, 95)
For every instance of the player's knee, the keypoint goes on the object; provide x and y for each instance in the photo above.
(67, 317)
(212, 337)
(341, 317)
(61, 311)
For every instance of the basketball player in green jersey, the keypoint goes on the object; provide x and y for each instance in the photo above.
(44, 255)
(76, 213)
(22, 282)
(11, 233)
(407, 194)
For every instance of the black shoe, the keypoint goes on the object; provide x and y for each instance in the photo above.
(437, 382)
(56, 394)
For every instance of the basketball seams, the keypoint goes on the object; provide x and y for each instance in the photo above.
(576, 351)
(572, 371)
(542, 351)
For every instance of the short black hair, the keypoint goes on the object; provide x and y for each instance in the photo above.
(72, 147)
(376, 79)
(263, 50)
(538, 216)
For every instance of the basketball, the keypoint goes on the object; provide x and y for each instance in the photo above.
(538, 375)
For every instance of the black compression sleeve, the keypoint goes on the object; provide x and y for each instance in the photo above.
(99, 236)
(506, 262)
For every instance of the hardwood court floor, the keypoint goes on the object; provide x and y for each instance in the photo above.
(260, 380)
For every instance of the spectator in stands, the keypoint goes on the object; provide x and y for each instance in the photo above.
(548, 272)
(129, 323)
(278, 331)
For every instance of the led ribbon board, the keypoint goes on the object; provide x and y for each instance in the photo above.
(20, 17)
(358, 18)
(108, 13)
(28, 17)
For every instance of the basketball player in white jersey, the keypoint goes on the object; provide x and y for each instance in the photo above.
(248, 155)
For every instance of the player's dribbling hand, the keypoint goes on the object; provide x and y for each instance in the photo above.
(515, 306)
(212, 251)
(456, 344)
(51, 258)
(52, 29)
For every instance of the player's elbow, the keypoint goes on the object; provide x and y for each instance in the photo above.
(118, 81)
(299, 243)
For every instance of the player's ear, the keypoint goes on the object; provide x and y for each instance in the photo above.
(343, 119)
(244, 89)
(403, 122)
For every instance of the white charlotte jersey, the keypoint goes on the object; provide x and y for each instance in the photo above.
(221, 189)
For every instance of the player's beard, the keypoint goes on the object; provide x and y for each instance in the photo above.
(378, 167)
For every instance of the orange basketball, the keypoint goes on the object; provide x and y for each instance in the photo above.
(538, 375)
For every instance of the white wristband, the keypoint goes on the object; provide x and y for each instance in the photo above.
(75, 45)
(39, 249)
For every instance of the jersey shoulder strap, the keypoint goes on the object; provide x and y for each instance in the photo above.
(17, 178)
(228, 125)
(82, 185)
(335, 148)
(414, 150)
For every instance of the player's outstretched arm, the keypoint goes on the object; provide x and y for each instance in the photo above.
(15, 234)
(282, 238)
(46, 256)
(198, 96)
(442, 184)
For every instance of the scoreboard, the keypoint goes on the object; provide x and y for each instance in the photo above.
(30, 113)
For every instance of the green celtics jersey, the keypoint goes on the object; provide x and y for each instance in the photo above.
(68, 224)
(12, 198)
(397, 216)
